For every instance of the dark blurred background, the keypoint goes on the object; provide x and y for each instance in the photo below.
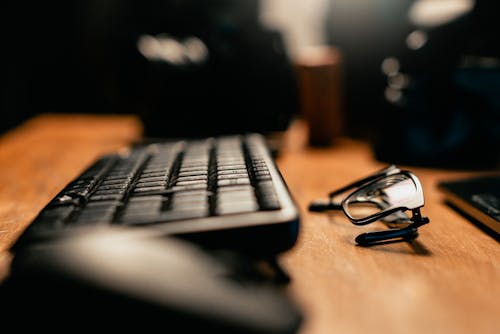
(188, 67)
(421, 78)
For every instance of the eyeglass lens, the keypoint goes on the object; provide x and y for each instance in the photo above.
(382, 195)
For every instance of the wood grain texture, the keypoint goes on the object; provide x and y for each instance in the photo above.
(40, 157)
(446, 281)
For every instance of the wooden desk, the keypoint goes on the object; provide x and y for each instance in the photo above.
(447, 281)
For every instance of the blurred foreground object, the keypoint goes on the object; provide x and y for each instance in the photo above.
(128, 277)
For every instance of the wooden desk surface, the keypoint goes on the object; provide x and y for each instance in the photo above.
(446, 281)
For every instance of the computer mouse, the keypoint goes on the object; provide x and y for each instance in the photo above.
(126, 278)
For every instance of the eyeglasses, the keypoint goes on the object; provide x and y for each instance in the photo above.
(386, 196)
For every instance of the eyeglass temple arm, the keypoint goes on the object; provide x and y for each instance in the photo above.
(368, 238)
(407, 233)
(322, 205)
(319, 205)
(358, 183)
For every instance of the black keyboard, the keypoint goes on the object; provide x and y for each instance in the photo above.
(223, 191)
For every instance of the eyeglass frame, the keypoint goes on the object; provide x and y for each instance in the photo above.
(405, 233)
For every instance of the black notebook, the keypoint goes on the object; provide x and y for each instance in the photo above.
(477, 197)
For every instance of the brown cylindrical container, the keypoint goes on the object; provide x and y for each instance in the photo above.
(320, 80)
